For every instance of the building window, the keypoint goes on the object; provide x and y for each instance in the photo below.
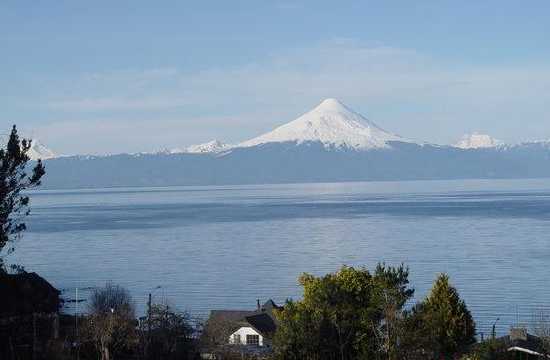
(236, 338)
(252, 339)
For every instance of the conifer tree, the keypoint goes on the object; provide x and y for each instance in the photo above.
(15, 178)
(447, 320)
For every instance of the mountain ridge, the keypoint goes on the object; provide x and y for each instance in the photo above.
(330, 123)
(330, 143)
(310, 162)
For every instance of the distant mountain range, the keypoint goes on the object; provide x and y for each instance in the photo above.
(329, 143)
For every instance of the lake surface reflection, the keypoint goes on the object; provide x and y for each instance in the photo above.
(224, 247)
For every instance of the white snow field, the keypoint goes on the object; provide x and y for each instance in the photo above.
(477, 141)
(334, 125)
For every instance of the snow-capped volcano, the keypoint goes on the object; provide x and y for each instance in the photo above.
(476, 141)
(39, 151)
(332, 124)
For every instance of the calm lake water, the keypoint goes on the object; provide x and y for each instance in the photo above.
(224, 247)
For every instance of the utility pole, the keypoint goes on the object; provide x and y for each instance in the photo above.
(149, 315)
(76, 339)
(148, 324)
(33, 336)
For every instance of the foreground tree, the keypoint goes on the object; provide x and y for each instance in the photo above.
(299, 334)
(391, 294)
(111, 324)
(350, 314)
(15, 179)
(167, 334)
(215, 333)
(541, 328)
(440, 327)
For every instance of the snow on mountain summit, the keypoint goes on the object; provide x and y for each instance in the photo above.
(476, 141)
(214, 146)
(333, 124)
(39, 151)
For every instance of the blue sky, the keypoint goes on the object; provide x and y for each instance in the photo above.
(106, 76)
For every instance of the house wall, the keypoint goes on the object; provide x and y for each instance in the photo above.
(245, 330)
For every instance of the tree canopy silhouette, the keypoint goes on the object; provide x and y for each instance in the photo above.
(349, 314)
(16, 177)
(442, 323)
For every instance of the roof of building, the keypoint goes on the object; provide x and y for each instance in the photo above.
(231, 315)
(520, 340)
(270, 305)
(261, 319)
(240, 315)
(27, 293)
(263, 323)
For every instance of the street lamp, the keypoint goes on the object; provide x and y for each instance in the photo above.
(152, 291)
(494, 327)
(149, 303)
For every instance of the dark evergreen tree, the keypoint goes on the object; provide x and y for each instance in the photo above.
(15, 178)
(447, 322)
